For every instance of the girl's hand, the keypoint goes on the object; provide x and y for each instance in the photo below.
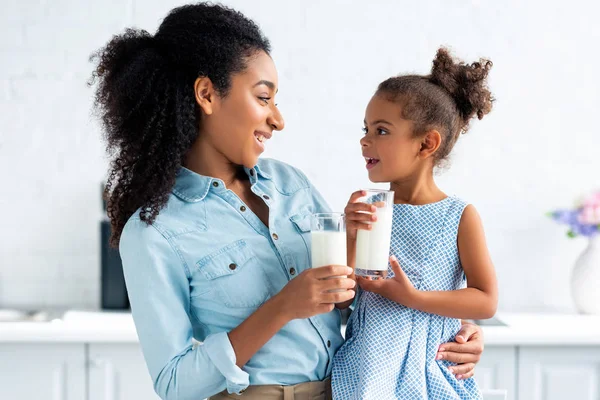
(398, 289)
(358, 215)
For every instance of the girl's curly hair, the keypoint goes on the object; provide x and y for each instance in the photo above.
(446, 99)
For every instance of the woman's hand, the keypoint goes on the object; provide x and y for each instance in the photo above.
(465, 352)
(307, 294)
(358, 215)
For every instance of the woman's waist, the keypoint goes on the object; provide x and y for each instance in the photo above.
(307, 390)
(296, 374)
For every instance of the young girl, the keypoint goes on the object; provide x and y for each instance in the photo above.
(411, 125)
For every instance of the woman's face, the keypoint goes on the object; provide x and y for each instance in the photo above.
(240, 124)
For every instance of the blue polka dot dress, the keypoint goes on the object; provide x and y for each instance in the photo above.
(390, 349)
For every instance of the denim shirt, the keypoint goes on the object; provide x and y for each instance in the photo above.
(205, 265)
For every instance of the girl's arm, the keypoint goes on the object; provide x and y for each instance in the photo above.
(478, 301)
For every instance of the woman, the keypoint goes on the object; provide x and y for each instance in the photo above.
(215, 242)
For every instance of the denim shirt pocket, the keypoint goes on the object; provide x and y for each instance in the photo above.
(235, 275)
(302, 221)
(302, 224)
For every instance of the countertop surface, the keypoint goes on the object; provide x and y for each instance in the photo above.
(117, 327)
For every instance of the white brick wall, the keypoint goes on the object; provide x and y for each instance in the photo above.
(536, 151)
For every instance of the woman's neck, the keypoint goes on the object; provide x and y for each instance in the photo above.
(205, 160)
(417, 189)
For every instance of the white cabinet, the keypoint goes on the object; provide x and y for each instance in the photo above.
(42, 371)
(118, 372)
(552, 373)
(497, 369)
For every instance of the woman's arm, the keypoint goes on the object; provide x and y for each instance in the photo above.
(478, 301)
(158, 287)
(303, 297)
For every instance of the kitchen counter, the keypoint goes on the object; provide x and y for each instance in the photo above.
(118, 327)
(74, 327)
(544, 330)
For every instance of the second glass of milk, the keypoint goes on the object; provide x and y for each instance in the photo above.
(373, 246)
(328, 240)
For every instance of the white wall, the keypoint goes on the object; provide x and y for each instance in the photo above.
(536, 151)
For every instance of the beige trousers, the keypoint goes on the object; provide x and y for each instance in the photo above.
(320, 390)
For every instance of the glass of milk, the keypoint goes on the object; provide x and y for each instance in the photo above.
(373, 246)
(328, 241)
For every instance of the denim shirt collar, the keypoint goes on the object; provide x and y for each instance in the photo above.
(193, 187)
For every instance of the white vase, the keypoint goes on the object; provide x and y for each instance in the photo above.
(585, 279)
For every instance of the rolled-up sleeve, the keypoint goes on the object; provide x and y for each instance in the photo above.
(157, 281)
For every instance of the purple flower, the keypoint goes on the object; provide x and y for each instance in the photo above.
(573, 219)
(565, 216)
(588, 230)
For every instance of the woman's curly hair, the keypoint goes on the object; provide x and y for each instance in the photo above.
(146, 102)
(446, 99)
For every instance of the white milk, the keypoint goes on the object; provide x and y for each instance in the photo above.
(373, 247)
(328, 248)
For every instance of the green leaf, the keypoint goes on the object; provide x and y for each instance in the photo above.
(571, 234)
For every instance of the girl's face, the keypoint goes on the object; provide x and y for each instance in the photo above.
(390, 150)
(239, 125)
